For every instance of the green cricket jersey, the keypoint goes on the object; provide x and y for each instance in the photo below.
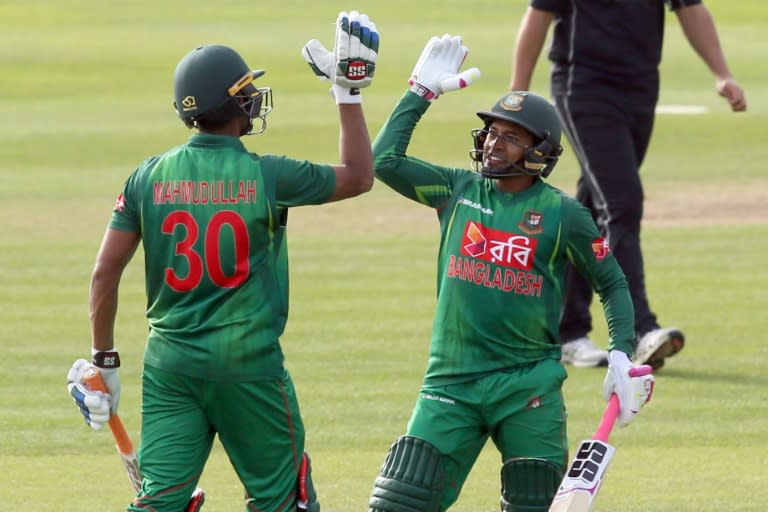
(501, 262)
(212, 220)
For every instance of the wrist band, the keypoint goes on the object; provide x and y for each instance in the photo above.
(346, 96)
(106, 359)
(422, 91)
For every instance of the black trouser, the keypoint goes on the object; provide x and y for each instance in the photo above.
(610, 141)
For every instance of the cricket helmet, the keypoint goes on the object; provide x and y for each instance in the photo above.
(213, 84)
(535, 114)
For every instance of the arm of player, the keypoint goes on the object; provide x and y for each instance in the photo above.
(699, 28)
(117, 249)
(354, 176)
(530, 41)
(590, 254)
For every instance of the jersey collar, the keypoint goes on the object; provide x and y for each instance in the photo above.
(212, 141)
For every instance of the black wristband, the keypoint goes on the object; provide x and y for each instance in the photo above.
(107, 359)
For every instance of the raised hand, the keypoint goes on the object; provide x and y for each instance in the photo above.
(351, 64)
(437, 70)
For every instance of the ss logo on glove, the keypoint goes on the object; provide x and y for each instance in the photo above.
(355, 70)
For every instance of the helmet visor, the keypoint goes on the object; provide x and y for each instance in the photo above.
(256, 102)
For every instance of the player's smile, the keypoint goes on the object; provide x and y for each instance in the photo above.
(505, 144)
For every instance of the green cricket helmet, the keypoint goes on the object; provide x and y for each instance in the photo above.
(213, 84)
(535, 114)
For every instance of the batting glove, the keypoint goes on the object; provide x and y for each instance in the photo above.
(352, 63)
(633, 392)
(93, 405)
(437, 70)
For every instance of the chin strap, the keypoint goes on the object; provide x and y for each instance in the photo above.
(511, 171)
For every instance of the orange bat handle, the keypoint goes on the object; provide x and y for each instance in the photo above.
(92, 379)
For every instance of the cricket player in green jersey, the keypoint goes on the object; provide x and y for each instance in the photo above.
(211, 217)
(494, 367)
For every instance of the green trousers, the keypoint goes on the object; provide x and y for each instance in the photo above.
(258, 424)
(521, 410)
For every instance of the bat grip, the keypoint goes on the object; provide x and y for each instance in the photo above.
(609, 418)
(612, 410)
(92, 379)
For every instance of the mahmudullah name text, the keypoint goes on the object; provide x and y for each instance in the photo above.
(204, 192)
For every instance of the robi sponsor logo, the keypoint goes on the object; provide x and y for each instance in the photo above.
(498, 247)
(496, 259)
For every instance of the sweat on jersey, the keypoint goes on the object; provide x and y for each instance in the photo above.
(212, 218)
(501, 262)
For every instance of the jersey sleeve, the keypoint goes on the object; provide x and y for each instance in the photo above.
(588, 251)
(126, 212)
(420, 181)
(298, 182)
(547, 5)
(675, 5)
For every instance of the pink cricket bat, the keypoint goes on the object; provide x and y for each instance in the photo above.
(581, 482)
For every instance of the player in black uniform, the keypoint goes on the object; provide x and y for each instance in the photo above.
(605, 84)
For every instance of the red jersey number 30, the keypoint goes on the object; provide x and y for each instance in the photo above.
(211, 260)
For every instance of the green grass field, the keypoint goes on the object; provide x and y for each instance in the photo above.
(86, 95)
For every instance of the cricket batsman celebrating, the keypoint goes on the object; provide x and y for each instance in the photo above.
(211, 217)
(494, 369)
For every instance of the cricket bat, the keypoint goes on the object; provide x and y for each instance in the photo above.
(92, 379)
(585, 475)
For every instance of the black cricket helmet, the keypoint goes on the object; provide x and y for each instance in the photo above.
(213, 84)
(535, 114)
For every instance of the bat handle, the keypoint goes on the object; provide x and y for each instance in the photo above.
(609, 418)
(639, 371)
(612, 410)
(92, 379)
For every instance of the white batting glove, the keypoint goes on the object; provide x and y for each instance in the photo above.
(633, 391)
(352, 63)
(437, 70)
(94, 405)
